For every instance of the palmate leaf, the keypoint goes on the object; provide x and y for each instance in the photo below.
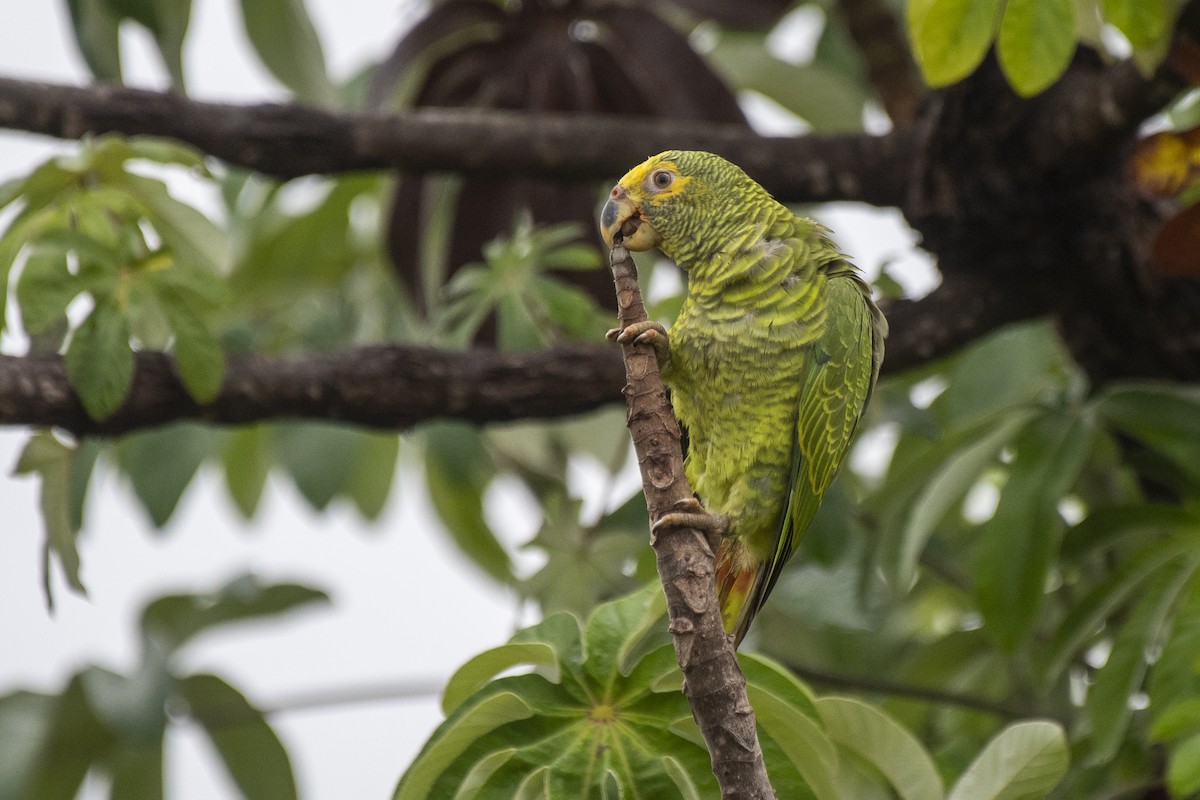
(601, 716)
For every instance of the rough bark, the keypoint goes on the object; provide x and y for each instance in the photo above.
(290, 140)
(388, 386)
(713, 681)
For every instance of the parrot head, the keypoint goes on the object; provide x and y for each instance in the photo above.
(673, 199)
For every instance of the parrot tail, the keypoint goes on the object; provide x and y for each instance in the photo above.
(737, 576)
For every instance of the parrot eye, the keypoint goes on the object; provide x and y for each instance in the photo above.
(661, 178)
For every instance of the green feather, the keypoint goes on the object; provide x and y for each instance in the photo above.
(772, 360)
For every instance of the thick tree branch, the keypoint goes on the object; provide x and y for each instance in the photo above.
(288, 140)
(965, 307)
(388, 386)
(712, 680)
(398, 386)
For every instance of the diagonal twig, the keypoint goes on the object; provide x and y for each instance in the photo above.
(713, 681)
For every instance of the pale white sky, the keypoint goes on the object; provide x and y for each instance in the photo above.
(397, 581)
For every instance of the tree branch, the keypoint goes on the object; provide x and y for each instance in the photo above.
(290, 140)
(862, 683)
(399, 386)
(388, 386)
(965, 307)
(712, 680)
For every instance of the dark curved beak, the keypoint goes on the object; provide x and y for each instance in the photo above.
(618, 210)
(621, 218)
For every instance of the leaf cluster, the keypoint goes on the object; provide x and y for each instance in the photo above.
(1033, 546)
(600, 716)
(114, 724)
(1034, 39)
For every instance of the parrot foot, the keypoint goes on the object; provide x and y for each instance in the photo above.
(689, 513)
(645, 332)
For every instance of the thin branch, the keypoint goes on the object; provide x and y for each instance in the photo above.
(387, 386)
(290, 140)
(712, 680)
(861, 683)
(416, 689)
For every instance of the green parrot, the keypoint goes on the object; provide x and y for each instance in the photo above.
(770, 363)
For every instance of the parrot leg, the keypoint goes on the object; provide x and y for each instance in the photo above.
(647, 332)
(689, 513)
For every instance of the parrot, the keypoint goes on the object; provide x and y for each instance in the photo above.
(770, 362)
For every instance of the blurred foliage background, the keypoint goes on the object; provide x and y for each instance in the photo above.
(1009, 542)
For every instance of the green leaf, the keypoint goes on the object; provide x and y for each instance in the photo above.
(1036, 42)
(1177, 722)
(286, 41)
(99, 362)
(248, 745)
(1142, 632)
(1165, 417)
(825, 97)
(54, 463)
(192, 237)
(457, 470)
(951, 37)
(1014, 366)
(76, 742)
(25, 721)
(161, 462)
(1183, 768)
(167, 21)
(1144, 22)
(577, 728)
(46, 286)
(787, 713)
(452, 739)
(474, 674)
(1025, 761)
(173, 620)
(247, 460)
(197, 352)
(320, 457)
(881, 741)
(97, 34)
(1020, 542)
(946, 487)
(371, 479)
(1086, 615)
(137, 771)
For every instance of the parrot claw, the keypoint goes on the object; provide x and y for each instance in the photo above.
(645, 332)
(689, 513)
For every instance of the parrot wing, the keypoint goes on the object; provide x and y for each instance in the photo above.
(838, 382)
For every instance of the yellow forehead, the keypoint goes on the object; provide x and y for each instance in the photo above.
(637, 179)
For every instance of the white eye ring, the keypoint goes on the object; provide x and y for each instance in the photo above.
(660, 180)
